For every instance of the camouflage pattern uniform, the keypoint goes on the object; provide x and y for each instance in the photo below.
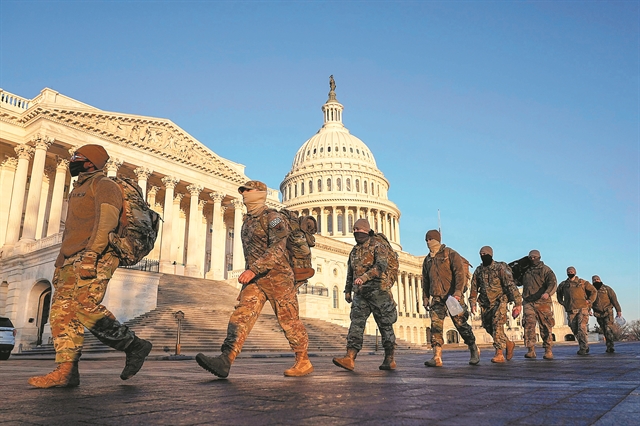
(369, 261)
(493, 287)
(603, 311)
(445, 275)
(76, 301)
(264, 242)
(536, 281)
(577, 297)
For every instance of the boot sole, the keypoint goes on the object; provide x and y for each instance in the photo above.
(203, 363)
(342, 366)
(146, 353)
(304, 373)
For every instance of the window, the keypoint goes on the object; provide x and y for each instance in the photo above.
(340, 222)
(336, 298)
(350, 223)
(348, 184)
(357, 185)
(371, 188)
(295, 190)
(319, 185)
(330, 223)
(302, 189)
(329, 184)
(310, 187)
(364, 186)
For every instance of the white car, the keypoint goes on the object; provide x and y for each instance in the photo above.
(7, 337)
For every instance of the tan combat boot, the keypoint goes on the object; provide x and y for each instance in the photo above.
(498, 357)
(389, 362)
(66, 375)
(219, 365)
(302, 367)
(532, 352)
(349, 360)
(547, 353)
(510, 347)
(436, 361)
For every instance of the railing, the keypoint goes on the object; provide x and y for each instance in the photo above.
(10, 100)
(315, 290)
(146, 265)
(45, 242)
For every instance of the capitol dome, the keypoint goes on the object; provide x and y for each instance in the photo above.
(334, 177)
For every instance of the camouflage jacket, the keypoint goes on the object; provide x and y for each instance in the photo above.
(538, 280)
(606, 300)
(444, 274)
(576, 294)
(490, 283)
(368, 261)
(265, 249)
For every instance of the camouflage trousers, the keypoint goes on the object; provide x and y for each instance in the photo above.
(578, 320)
(278, 288)
(439, 312)
(493, 320)
(76, 305)
(605, 322)
(539, 312)
(380, 303)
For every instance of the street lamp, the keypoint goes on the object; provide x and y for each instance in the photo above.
(179, 316)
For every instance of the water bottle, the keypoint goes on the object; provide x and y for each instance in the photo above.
(454, 306)
(621, 321)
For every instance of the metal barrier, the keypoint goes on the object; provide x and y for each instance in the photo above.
(147, 265)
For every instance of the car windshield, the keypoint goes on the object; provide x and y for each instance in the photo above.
(5, 322)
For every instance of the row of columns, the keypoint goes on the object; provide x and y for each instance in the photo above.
(409, 293)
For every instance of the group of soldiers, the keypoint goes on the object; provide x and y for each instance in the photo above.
(87, 261)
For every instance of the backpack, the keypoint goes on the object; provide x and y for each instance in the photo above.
(466, 266)
(299, 242)
(393, 262)
(138, 229)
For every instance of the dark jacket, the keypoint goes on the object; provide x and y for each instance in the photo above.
(490, 283)
(444, 274)
(538, 280)
(606, 300)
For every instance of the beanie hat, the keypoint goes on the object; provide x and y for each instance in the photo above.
(571, 269)
(595, 278)
(487, 250)
(534, 253)
(433, 235)
(94, 153)
(362, 224)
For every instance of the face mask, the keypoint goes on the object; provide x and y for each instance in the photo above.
(434, 245)
(486, 259)
(254, 200)
(361, 237)
(76, 167)
(571, 275)
(597, 285)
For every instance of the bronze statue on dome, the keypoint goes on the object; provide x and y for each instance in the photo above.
(332, 83)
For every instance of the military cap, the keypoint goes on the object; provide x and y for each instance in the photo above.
(94, 153)
(253, 184)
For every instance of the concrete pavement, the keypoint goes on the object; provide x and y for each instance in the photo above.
(600, 389)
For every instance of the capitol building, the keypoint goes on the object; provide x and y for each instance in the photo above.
(333, 177)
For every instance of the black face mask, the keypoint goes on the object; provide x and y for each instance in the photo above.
(571, 275)
(597, 285)
(486, 259)
(76, 167)
(361, 237)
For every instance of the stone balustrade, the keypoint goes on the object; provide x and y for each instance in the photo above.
(15, 102)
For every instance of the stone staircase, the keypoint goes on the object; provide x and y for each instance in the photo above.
(207, 306)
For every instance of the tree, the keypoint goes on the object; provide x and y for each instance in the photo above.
(632, 330)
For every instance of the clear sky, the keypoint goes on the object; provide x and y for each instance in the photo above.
(518, 120)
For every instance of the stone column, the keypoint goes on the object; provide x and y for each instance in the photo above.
(325, 225)
(57, 197)
(44, 201)
(143, 175)
(178, 230)
(202, 238)
(35, 187)
(238, 253)
(334, 219)
(112, 166)
(194, 230)
(170, 183)
(217, 238)
(151, 196)
(6, 187)
(17, 198)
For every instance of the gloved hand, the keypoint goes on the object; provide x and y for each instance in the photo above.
(86, 268)
(347, 297)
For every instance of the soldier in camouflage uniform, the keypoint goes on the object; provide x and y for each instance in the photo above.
(493, 287)
(370, 284)
(577, 297)
(538, 285)
(603, 310)
(444, 274)
(267, 276)
(83, 269)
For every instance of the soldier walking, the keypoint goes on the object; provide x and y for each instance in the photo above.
(538, 285)
(370, 283)
(577, 297)
(84, 267)
(445, 274)
(603, 310)
(267, 276)
(493, 287)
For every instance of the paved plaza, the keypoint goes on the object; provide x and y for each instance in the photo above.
(600, 389)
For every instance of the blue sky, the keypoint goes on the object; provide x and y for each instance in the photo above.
(519, 121)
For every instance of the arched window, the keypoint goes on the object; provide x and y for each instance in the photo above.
(350, 223)
(319, 185)
(302, 188)
(288, 192)
(339, 184)
(348, 184)
(364, 186)
(357, 185)
(295, 190)
(329, 184)
(319, 221)
(371, 188)
(330, 223)
(328, 149)
(310, 187)
(340, 222)
(336, 298)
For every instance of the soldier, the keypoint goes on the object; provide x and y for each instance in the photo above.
(444, 274)
(367, 278)
(267, 276)
(603, 310)
(538, 285)
(493, 287)
(83, 268)
(577, 297)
